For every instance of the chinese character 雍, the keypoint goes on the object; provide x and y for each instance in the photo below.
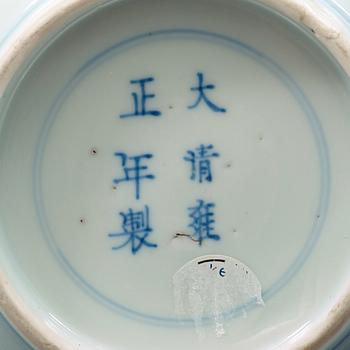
(200, 160)
(200, 88)
(140, 101)
(203, 221)
(136, 229)
(135, 171)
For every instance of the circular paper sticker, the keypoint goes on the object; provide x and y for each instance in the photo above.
(210, 288)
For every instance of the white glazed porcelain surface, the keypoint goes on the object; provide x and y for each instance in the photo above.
(279, 180)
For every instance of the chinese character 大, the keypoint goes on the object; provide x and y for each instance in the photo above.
(201, 89)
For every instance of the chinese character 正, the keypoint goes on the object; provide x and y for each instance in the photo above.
(140, 100)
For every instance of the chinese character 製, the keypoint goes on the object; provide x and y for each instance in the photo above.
(136, 229)
(200, 89)
(203, 220)
(140, 100)
(200, 160)
(134, 170)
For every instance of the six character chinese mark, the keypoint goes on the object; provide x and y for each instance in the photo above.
(136, 229)
(200, 160)
(136, 224)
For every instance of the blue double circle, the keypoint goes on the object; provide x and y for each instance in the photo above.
(249, 52)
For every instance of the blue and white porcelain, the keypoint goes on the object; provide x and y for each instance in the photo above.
(174, 174)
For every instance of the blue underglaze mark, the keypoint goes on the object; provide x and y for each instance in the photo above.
(140, 100)
(203, 221)
(135, 172)
(200, 160)
(200, 89)
(136, 228)
(335, 6)
(250, 53)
